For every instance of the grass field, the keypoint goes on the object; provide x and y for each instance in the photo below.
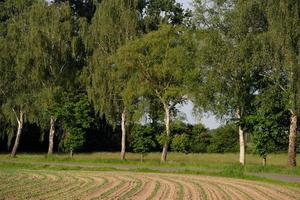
(104, 176)
(218, 163)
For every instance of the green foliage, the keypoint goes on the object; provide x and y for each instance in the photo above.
(142, 138)
(109, 86)
(159, 60)
(179, 127)
(76, 118)
(162, 138)
(230, 38)
(284, 22)
(17, 69)
(142, 58)
(200, 139)
(224, 139)
(163, 12)
(269, 123)
(180, 143)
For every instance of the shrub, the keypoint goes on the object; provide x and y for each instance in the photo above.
(180, 143)
(142, 140)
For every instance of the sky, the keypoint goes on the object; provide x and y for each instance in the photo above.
(186, 3)
(207, 119)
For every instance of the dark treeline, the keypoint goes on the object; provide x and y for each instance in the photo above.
(107, 75)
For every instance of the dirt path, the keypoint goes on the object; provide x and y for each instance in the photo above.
(281, 177)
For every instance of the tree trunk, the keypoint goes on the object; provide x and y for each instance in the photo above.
(167, 124)
(264, 161)
(71, 153)
(242, 140)
(123, 140)
(51, 135)
(19, 132)
(292, 141)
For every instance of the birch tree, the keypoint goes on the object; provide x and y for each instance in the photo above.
(114, 24)
(19, 97)
(160, 60)
(284, 30)
(232, 29)
(51, 36)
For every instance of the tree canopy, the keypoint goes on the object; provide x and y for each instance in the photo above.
(112, 73)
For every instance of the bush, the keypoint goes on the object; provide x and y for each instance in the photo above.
(180, 143)
(142, 140)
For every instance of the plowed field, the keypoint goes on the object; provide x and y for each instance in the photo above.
(27, 184)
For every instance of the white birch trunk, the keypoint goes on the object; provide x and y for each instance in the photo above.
(292, 141)
(242, 140)
(51, 135)
(123, 140)
(167, 124)
(20, 120)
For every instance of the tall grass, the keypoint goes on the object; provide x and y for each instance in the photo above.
(223, 164)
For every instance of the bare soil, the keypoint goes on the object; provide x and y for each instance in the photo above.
(133, 185)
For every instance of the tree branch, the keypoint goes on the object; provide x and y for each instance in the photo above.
(16, 116)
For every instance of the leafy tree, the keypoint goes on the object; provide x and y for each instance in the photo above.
(181, 140)
(51, 36)
(76, 118)
(142, 139)
(18, 91)
(160, 60)
(114, 24)
(284, 22)
(228, 57)
(268, 121)
(200, 139)
(180, 143)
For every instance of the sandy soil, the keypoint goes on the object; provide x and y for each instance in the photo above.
(137, 186)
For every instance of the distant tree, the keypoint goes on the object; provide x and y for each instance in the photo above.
(200, 139)
(160, 60)
(142, 139)
(180, 143)
(224, 139)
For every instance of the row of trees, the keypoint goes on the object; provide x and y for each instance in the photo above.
(251, 61)
(64, 61)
